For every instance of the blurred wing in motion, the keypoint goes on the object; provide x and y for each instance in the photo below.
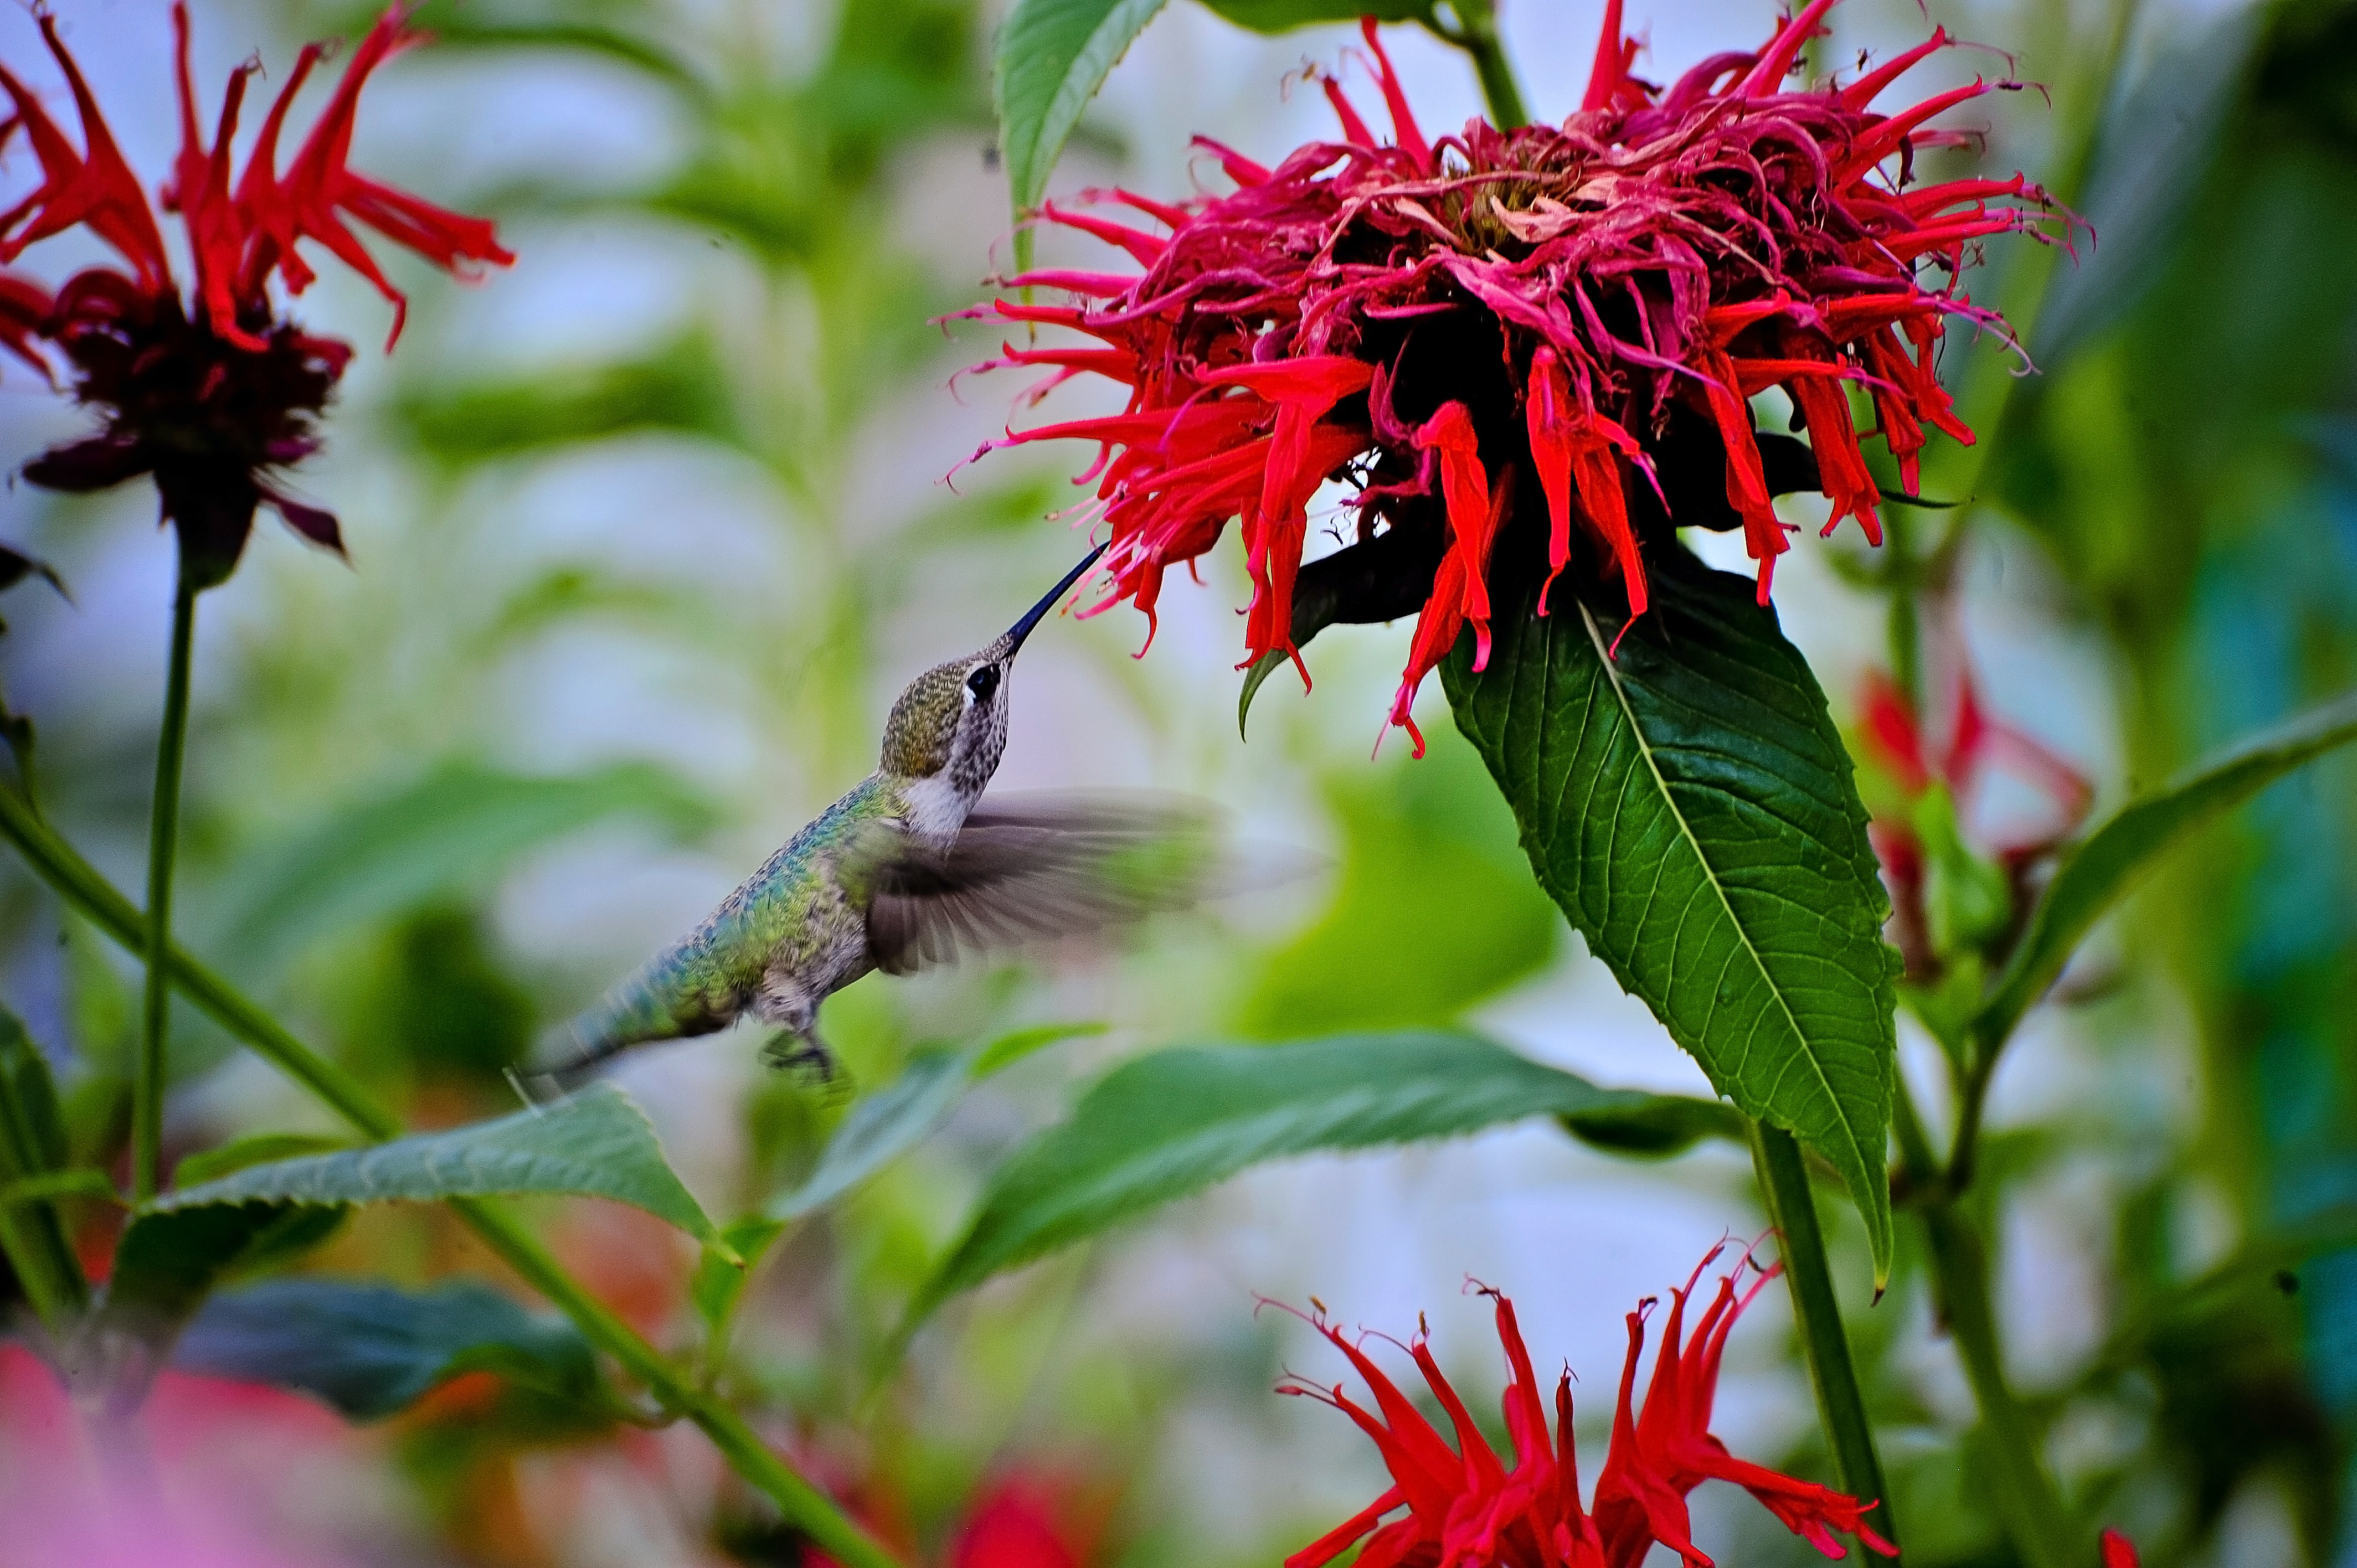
(1032, 866)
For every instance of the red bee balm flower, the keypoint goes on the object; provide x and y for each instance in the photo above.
(1558, 321)
(1467, 1509)
(213, 394)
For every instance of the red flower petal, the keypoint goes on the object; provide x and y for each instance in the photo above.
(94, 188)
(308, 200)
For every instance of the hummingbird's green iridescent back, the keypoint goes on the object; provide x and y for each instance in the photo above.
(791, 915)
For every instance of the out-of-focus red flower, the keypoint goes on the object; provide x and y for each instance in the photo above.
(1974, 746)
(213, 1476)
(215, 393)
(2119, 1552)
(1970, 746)
(1026, 1519)
(1511, 322)
(1468, 1508)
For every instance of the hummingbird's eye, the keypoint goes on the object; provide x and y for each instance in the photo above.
(982, 682)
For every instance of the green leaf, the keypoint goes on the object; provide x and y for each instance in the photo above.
(2109, 860)
(683, 387)
(455, 828)
(32, 1129)
(717, 1284)
(33, 1157)
(2154, 148)
(257, 1149)
(880, 1127)
(1665, 1124)
(1053, 55)
(1690, 806)
(169, 1261)
(455, 27)
(1284, 16)
(1174, 1122)
(592, 1143)
(905, 1112)
(371, 1349)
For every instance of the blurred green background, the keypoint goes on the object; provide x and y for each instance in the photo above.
(646, 532)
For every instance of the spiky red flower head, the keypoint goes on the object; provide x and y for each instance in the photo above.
(211, 395)
(1552, 322)
(1467, 1509)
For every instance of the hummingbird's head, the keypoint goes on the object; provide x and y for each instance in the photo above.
(949, 728)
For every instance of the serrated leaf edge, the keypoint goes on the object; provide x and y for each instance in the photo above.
(1710, 873)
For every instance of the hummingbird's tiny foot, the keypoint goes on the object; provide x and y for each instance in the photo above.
(804, 1055)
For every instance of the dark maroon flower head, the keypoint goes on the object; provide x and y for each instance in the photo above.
(1531, 327)
(215, 395)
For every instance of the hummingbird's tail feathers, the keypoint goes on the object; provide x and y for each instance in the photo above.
(1028, 868)
(569, 1057)
(632, 1014)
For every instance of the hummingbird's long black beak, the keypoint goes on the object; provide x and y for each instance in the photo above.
(1038, 612)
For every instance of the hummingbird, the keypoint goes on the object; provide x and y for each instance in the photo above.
(910, 867)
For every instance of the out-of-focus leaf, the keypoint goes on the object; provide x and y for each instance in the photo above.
(32, 1129)
(457, 27)
(372, 1349)
(1434, 910)
(32, 1163)
(452, 830)
(684, 388)
(257, 1149)
(881, 1126)
(1174, 1122)
(1053, 55)
(905, 1112)
(434, 1002)
(2109, 860)
(1690, 805)
(718, 1284)
(16, 566)
(592, 1143)
(2154, 152)
(1665, 1124)
(165, 1265)
(1284, 16)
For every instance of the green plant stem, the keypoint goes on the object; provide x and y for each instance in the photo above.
(1793, 1209)
(1971, 1097)
(2024, 1496)
(1476, 33)
(60, 865)
(147, 1077)
(803, 1506)
(807, 1509)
